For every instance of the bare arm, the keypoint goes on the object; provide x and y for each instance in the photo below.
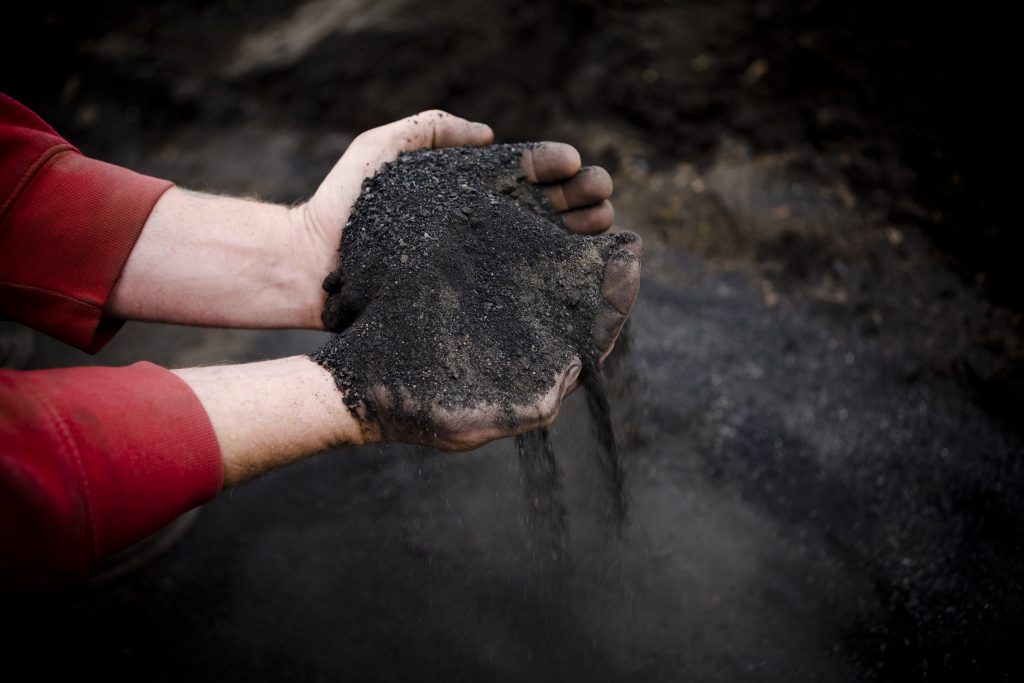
(226, 262)
(219, 261)
(268, 414)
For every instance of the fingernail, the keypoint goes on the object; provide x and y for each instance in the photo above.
(481, 129)
(570, 377)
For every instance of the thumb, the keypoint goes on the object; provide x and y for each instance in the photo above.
(433, 129)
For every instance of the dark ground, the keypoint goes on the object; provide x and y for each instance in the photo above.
(819, 406)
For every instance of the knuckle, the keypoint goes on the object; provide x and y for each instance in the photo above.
(432, 113)
(549, 409)
(607, 212)
(625, 261)
(597, 179)
(369, 138)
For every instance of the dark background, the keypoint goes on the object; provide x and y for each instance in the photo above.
(819, 403)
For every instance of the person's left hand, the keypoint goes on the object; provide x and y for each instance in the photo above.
(579, 194)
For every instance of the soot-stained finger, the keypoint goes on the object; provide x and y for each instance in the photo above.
(571, 379)
(550, 162)
(466, 429)
(544, 410)
(433, 128)
(607, 325)
(621, 280)
(630, 241)
(452, 133)
(588, 187)
(590, 220)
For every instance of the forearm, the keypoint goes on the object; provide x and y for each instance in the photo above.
(220, 261)
(269, 414)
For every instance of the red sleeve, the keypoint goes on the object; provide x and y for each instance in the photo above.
(67, 225)
(92, 459)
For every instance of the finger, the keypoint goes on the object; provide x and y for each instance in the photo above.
(463, 430)
(621, 280)
(607, 352)
(452, 131)
(619, 288)
(571, 378)
(550, 162)
(590, 220)
(543, 412)
(630, 241)
(428, 129)
(589, 186)
(607, 325)
(393, 411)
(572, 382)
(432, 129)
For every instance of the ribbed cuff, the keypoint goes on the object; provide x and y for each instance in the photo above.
(66, 239)
(146, 446)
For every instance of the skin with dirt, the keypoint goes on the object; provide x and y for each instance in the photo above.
(459, 289)
(819, 413)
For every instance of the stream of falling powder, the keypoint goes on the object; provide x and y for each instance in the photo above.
(547, 517)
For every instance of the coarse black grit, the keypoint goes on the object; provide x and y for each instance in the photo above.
(458, 288)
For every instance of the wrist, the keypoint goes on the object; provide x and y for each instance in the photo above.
(269, 414)
(314, 258)
(219, 261)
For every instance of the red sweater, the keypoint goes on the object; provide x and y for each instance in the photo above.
(91, 459)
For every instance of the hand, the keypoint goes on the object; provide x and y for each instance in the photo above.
(209, 260)
(405, 420)
(579, 194)
(225, 262)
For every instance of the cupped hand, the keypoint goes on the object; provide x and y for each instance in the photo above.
(579, 194)
(403, 419)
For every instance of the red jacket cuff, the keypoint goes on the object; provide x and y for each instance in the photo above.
(66, 238)
(100, 458)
